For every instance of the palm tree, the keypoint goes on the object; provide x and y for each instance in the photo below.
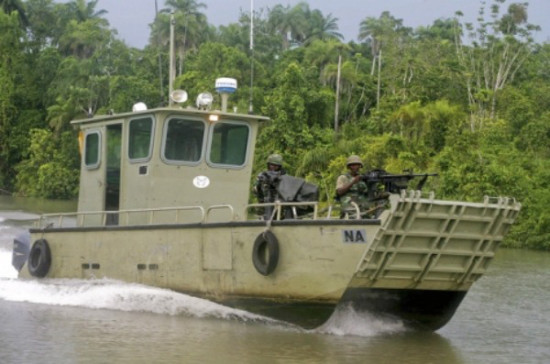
(385, 29)
(289, 23)
(377, 31)
(322, 53)
(83, 39)
(191, 27)
(82, 10)
(321, 27)
(186, 6)
(85, 29)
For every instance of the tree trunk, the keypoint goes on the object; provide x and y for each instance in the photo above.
(336, 106)
(378, 84)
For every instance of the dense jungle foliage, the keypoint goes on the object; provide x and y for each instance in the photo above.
(468, 101)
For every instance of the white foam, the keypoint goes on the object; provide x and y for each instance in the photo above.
(115, 295)
(346, 321)
(108, 294)
(6, 269)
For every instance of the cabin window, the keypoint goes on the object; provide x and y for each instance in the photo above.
(229, 143)
(92, 149)
(183, 140)
(140, 140)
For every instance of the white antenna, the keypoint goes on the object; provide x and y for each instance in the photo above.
(159, 55)
(250, 107)
(172, 74)
(251, 24)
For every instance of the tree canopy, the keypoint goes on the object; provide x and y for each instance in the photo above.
(468, 101)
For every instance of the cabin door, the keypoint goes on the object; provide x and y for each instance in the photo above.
(112, 190)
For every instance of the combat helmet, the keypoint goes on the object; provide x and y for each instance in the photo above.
(275, 159)
(354, 159)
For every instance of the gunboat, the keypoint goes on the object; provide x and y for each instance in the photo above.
(164, 201)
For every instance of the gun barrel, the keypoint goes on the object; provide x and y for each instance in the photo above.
(409, 175)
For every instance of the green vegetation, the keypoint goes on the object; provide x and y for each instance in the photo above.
(471, 102)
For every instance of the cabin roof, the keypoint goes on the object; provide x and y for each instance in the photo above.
(188, 111)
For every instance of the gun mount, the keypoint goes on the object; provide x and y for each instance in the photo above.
(393, 183)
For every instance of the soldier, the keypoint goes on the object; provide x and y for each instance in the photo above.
(350, 187)
(265, 187)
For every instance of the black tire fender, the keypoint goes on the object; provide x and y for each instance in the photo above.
(265, 254)
(40, 259)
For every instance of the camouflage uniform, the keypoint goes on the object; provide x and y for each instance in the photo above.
(265, 187)
(266, 182)
(357, 193)
(371, 198)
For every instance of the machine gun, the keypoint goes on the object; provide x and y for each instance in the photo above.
(380, 182)
(276, 186)
(267, 185)
(266, 191)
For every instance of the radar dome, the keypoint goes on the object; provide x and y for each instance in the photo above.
(226, 85)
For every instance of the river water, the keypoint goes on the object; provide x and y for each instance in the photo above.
(505, 318)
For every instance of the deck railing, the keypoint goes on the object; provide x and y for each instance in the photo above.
(199, 214)
(120, 217)
(171, 215)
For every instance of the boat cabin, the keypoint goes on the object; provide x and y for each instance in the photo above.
(165, 158)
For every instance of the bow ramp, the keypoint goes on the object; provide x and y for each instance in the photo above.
(427, 255)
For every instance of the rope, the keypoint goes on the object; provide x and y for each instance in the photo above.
(270, 220)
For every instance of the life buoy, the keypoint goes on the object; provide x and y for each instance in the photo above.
(40, 259)
(265, 254)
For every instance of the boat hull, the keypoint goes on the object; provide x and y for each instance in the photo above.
(415, 264)
(418, 309)
(215, 261)
(303, 313)
(425, 310)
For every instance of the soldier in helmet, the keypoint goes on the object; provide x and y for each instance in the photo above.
(265, 187)
(350, 187)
